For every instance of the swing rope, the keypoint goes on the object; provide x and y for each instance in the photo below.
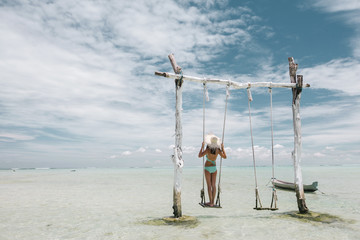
(222, 140)
(205, 97)
(274, 196)
(253, 153)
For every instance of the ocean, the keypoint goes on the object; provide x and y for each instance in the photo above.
(131, 203)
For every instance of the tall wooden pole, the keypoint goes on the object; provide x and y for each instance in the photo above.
(296, 154)
(177, 157)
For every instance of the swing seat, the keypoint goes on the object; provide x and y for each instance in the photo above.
(207, 206)
(262, 208)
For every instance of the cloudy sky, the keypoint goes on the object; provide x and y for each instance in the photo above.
(78, 87)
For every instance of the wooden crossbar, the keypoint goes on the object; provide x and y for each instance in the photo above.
(233, 84)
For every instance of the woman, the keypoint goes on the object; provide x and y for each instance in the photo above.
(213, 149)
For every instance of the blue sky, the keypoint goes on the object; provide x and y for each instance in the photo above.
(78, 86)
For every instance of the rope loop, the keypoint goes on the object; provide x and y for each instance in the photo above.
(206, 91)
(249, 94)
(228, 89)
(180, 81)
(298, 87)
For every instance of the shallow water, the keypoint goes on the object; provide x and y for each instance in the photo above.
(128, 204)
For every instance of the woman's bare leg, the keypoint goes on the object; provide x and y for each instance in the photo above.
(208, 183)
(213, 186)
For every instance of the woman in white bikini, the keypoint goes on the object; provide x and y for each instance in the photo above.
(212, 150)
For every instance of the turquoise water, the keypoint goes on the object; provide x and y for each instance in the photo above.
(120, 204)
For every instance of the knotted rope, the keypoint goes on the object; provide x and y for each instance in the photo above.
(222, 140)
(205, 98)
(253, 152)
(274, 196)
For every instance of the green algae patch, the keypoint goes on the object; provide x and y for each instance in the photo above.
(186, 221)
(314, 217)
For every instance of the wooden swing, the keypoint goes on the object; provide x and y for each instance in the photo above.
(202, 192)
(258, 205)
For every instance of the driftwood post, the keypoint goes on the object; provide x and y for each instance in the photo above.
(177, 157)
(296, 154)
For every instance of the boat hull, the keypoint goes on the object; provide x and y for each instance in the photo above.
(291, 186)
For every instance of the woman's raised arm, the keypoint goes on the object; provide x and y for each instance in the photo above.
(222, 151)
(202, 151)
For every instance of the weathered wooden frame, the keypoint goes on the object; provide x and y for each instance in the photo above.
(296, 84)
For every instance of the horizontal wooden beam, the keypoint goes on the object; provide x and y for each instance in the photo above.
(233, 84)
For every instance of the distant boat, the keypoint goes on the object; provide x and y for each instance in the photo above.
(291, 186)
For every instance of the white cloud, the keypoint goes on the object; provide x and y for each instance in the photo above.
(330, 148)
(188, 149)
(10, 137)
(262, 156)
(318, 154)
(158, 151)
(341, 125)
(141, 150)
(228, 149)
(337, 6)
(126, 153)
(337, 75)
(349, 10)
(85, 71)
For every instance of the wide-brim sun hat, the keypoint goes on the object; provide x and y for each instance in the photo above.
(212, 141)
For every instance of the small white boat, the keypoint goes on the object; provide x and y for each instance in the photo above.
(291, 186)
